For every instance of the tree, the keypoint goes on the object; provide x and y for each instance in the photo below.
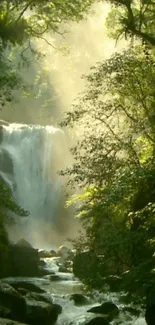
(115, 163)
(7, 209)
(23, 20)
(134, 19)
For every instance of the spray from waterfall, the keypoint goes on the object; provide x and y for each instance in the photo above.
(56, 78)
(37, 154)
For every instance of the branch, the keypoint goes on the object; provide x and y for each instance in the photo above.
(43, 38)
(22, 12)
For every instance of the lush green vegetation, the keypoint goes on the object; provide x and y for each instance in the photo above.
(7, 208)
(115, 156)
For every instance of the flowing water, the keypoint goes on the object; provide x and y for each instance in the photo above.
(74, 315)
(61, 291)
(30, 157)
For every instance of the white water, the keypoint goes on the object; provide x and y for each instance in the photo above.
(60, 292)
(74, 315)
(37, 153)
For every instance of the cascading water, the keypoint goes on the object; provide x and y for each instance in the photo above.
(30, 157)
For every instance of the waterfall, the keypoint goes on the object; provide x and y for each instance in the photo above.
(30, 157)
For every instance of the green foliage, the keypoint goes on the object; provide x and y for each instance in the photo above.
(21, 20)
(115, 167)
(134, 19)
(7, 208)
(9, 79)
(4, 252)
(8, 204)
(20, 23)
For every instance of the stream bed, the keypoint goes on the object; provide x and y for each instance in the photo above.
(60, 291)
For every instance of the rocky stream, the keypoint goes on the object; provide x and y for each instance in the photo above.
(56, 296)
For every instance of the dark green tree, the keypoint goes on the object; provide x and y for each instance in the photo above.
(115, 164)
(134, 19)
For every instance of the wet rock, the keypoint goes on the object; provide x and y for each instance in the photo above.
(24, 243)
(44, 254)
(57, 308)
(4, 321)
(64, 252)
(39, 313)
(79, 299)
(5, 312)
(24, 259)
(22, 291)
(42, 263)
(107, 308)
(97, 321)
(40, 297)
(63, 269)
(114, 283)
(11, 299)
(54, 277)
(43, 272)
(24, 284)
(53, 253)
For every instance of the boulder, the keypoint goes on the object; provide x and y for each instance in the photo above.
(64, 252)
(107, 308)
(39, 313)
(57, 308)
(114, 283)
(43, 272)
(13, 301)
(5, 312)
(24, 243)
(53, 253)
(4, 321)
(24, 259)
(54, 277)
(23, 284)
(97, 321)
(79, 299)
(40, 297)
(44, 254)
(42, 263)
(64, 269)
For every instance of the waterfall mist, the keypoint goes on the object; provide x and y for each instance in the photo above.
(38, 152)
(56, 78)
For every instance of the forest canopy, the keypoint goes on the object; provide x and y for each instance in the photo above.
(114, 159)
